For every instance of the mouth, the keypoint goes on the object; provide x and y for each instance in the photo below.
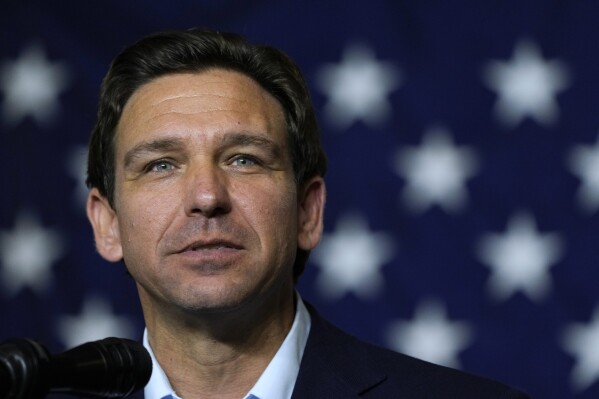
(213, 245)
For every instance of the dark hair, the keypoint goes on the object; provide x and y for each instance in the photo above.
(198, 50)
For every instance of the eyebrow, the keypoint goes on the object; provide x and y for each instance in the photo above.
(173, 144)
(249, 139)
(149, 147)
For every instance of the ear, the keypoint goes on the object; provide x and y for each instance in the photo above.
(105, 225)
(312, 198)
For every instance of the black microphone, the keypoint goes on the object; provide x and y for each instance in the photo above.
(109, 368)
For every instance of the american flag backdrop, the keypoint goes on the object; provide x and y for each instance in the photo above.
(462, 223)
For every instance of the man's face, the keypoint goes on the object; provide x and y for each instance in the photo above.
(207, 215)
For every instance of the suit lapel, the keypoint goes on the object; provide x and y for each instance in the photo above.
(137, 395)
(334, 364)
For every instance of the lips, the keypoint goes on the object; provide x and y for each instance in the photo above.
(208, 257)
(207, 245)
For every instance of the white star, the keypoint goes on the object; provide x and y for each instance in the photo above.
(27, 253)
(77, 168)
(31, 86)
(527, 85)
(582, 341)
(436, 172)
(95, 322)
(358, 87)
(430, 336)
(584, 162)
(351, 258)
(520, 259)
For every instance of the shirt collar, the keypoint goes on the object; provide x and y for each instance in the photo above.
(277, 380)
(158, 387)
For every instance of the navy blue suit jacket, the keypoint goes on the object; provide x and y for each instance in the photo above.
(336, 365)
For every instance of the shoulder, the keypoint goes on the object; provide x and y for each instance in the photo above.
(389, 372)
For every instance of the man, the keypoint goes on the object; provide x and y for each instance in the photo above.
(206, 175)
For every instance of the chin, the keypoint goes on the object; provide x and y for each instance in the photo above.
(212, 301)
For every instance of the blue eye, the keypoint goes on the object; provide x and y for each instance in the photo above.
(244, 161)
(161, 166)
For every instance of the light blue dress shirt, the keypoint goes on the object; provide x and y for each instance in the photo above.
(277, 380)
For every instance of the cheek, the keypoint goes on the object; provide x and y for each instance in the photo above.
(143, 218)
(273, 215)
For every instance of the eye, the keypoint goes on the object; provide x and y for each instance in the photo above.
(160, 166)
(244, 160)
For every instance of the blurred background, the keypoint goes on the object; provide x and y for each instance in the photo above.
(461, 224)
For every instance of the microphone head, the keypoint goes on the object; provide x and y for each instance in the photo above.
(109, 368)
(23, 369)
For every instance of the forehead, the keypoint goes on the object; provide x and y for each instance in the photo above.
(210, 100)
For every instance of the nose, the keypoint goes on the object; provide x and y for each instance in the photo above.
(207, 192)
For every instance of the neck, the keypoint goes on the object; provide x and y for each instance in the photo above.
(218, 355)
